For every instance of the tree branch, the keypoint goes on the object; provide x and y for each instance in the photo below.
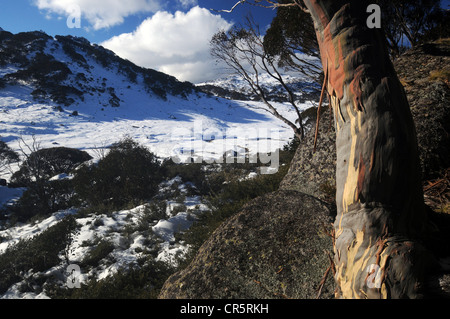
(232, 9)
(269, 5)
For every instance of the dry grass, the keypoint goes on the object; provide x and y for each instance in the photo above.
(440, 75)
(437, 193)
(443, 41)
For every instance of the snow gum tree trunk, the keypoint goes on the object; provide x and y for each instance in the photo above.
(380, 208)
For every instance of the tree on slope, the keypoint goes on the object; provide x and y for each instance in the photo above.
(409, 20)
(243, 51)
(381, 212)
(380, 208)
(292, 39)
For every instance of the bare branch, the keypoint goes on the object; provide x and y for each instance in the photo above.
(268, 4)
(232, 9)
(273, 5)
(243, 51)
(35, 162)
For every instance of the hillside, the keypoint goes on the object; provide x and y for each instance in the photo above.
(66, 67)
(67, 91)
(70, 109)
(235, 88)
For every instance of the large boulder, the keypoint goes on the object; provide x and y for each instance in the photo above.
(276, 247)
(314, 172)
(425, 74)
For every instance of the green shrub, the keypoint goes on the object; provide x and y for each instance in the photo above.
(129, 173)
(139, 282)
(7, 156)
(45, 163)
(41, 199)
(43, 196)
(190, 172)
(43, 68)
(153, 212)
(39, 253)
(100, 251)
(73, 54)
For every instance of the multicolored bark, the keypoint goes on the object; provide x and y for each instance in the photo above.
(381, 213)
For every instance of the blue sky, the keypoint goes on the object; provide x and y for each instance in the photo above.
(139, 30)
(170, 36)
(25, 15)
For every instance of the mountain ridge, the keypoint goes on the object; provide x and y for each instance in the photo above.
(234, 87)
(63, 69)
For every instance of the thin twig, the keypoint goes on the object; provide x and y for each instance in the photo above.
(332, 267)
(433, 185)
(322, 282)
(270, 5)
(232, 9)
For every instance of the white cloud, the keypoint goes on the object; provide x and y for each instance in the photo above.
(100, 13)
(177, 44)
(188, 3)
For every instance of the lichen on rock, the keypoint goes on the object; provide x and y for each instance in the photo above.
(276, 247)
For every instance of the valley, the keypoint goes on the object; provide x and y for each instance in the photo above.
(65, 92)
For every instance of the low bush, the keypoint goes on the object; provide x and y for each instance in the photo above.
(43, 68)
(128, 174)
(100, 251)
(139, 282)
(192, 172)
(7, 156)
(45, 163)
(42, 195)
(39, 253)
(41, 199)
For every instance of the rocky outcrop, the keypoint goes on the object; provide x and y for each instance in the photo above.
(425, 75)
(276, 247)
(312, 172)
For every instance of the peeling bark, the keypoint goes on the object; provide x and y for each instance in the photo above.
(380, 208)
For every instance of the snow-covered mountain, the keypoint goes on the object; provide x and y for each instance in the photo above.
(234, 87)
(65, 91)
(68, 69)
